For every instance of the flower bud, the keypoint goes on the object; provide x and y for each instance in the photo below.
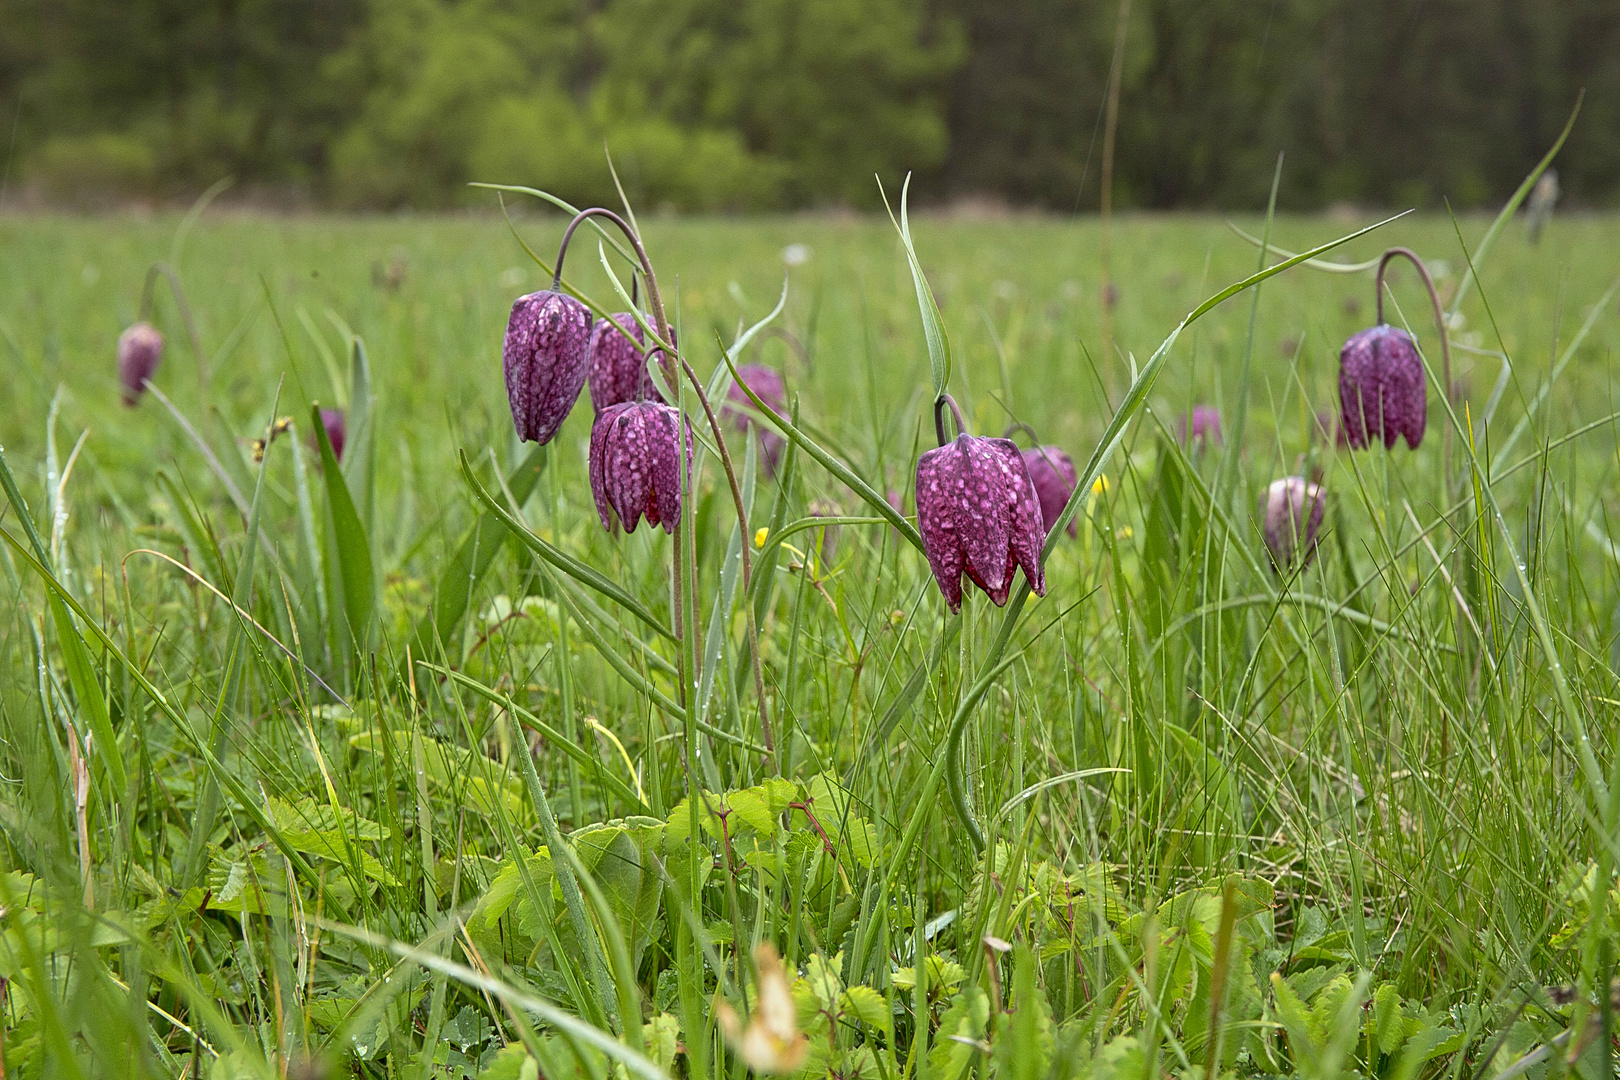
(1203, 426)
(1051, 471)
(977, 513)
(618, 368)
(635, 465)
(140, 347)
(332, 421)
(1381, 391)
(766, 382)
(1291, 519)
(545, 356)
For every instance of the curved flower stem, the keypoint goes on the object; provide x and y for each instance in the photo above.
(1439, 323)
(939, 417)
(1019, 425)
(179, 294)
(669, 358)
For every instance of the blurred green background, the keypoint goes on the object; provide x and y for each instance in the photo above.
(780, 104)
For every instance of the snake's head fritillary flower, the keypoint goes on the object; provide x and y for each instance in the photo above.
(977, 513)
(139, 349)
(767, 383)
(618, 370)
(635, 465)
(546, 356)
(1051, 471)
(1202, 427)
(332, 421)
(1381, 391)
(1291, 520)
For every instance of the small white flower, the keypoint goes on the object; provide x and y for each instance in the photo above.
(796, 254)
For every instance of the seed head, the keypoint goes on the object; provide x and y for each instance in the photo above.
(977, 513)
(1051, 471)
(635, 471)
(1381, 390)
(140, 347)
(1291, 513)
(618, 368)
(546, 356)
(767, 383)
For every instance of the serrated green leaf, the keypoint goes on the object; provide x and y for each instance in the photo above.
(865, 1005)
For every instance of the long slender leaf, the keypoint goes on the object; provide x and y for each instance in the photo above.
(349, 550)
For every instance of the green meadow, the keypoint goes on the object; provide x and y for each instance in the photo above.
(385, 768)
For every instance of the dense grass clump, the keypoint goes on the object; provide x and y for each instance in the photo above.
(383, 765)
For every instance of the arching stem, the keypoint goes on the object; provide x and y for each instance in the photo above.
(669, 358)
(1439, 324)
(939, 417)
(1019, 425)
(179, 294)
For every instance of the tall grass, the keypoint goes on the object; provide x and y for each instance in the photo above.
(397, 787)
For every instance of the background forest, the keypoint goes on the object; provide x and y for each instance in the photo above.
(780, 104)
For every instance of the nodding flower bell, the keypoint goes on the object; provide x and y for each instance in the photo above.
(332, 421)
(1291, 519)
(635, 465)
(977, 513)
(140, 347)
(1381, 388)
(1051, 471)
(1203, 426)
(767, 383)
(618, 369)
(545, 356)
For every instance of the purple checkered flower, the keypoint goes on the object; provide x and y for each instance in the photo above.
(767, 383)
(1291, 519)
(1381, 389)
(1051, 471)
(635, 470)
(618, 368)
(546, 356)
(332, 421)
(139, 349)
(977, 513)
(1203, 426)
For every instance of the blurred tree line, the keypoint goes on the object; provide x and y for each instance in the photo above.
(748, 104)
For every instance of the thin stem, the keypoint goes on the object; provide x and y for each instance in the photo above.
(1439, 323)
(939, 417)
(669, 358)
(1019, 425)
(747, 559)
(179, 294)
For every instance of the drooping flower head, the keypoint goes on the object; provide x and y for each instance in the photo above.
(977, 513)
(767, 383)
(332, 421)
(1291, 519)
(140, 347)
(618, 370)
(1381, 391)
(546, 356)
(1202, 427)
(635, 465)
(1052, 474)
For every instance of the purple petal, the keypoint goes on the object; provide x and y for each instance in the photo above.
(140, 347)
(618, 370)
(545, 357)
(1381, 388)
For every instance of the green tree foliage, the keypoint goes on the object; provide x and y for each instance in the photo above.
(744, 104)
